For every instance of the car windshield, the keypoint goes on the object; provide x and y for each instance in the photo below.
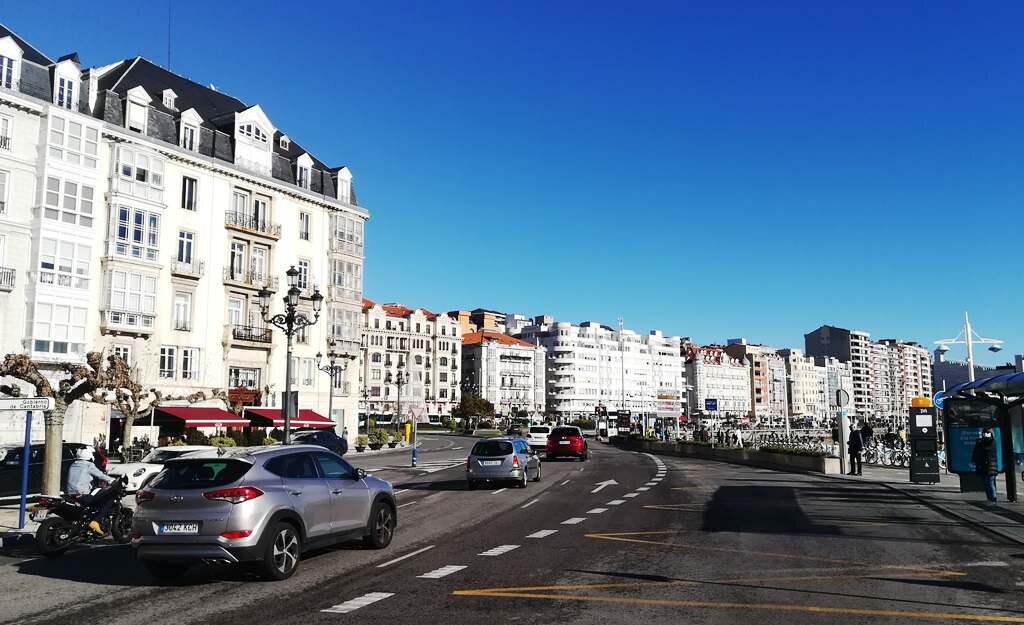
(539, 430)
(492, 448)
(193, 474)
(160, 456)
(565, 432)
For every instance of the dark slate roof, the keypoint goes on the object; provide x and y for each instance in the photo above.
(27, 51)
(295, 150)
(71, 56)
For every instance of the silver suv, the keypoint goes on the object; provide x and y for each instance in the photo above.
(259, 505)
(502, 459)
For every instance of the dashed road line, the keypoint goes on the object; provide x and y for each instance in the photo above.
(643, 488)
(408, 555)
(542, 534)
(407, 504)
(573, 521)
(497, 551)
(630, 495)
(651, 484)
(616, 502)
(495, 492)
(358, 602)
(565, 482)
(400, 491)
(597, 510)
(442, 572)
(529, 503)
(985, 563)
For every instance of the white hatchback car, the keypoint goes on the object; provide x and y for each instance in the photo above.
(139, 473)
(538, 436)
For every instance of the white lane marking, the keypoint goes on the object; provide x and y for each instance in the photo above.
(651, 484)
(573, 521)
(457, 448)
(400, 491)
(408, 555)
(643, 488)
(616, 502)
(630, 495)
(564, 483)
(442, 572)
(657, 479)
(597, 510)
(985, 563)
(542, 534)
(581, 468)
(407, 504)
(529, 503)
(498, 491)
(358, 602)
(602, 485)
(497, 551)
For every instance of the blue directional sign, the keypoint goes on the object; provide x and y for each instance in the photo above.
(711, 405)
(938, 399)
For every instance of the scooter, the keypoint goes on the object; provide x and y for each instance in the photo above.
(64, 521)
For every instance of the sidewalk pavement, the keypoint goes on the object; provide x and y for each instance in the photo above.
(1003, 519)
(11, 538)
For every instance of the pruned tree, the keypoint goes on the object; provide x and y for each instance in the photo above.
(79, 382)
(471, 408)
(126, 392)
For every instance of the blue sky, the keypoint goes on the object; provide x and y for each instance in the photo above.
(711, 169)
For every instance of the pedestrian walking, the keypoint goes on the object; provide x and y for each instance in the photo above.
(984, 459)
(855, 445)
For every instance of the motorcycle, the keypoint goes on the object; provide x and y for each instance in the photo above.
(64, 521)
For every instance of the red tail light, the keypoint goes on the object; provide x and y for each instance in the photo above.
(136, 535)
(515, 462)
(43, 502)
(233, 495)
(236, 535)
(144, 495)
(467, 464)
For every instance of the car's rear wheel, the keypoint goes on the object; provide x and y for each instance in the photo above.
(381, 526)
(521, 482)
(585, 456)
(282, 552)
(537, 477)
(165, 570)
(471, 484)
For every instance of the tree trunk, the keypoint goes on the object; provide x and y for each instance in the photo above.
(126, 436)
(54, 449)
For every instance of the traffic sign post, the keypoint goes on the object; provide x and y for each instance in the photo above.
(415, 412)
(28, 404)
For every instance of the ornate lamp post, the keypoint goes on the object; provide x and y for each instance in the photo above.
(333, 368)
(291, 321)
(399, 379)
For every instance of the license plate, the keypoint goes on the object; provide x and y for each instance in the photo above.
(490, 463)
(180, 528)
(38, 514)
(564, 442)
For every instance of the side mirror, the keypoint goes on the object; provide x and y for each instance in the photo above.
(360, 473)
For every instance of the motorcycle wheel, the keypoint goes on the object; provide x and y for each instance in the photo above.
(121, 526)
(53, 537)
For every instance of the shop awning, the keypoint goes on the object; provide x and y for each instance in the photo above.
(199, 417)
(305, 418)
(1004, 384)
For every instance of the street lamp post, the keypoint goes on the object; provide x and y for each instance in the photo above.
(969, 337)
(399, 379)
(333, 369)
(291, 321)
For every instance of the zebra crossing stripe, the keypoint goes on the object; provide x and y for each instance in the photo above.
(497, 551)
(542, 534)
(358, 602)
(442, 572)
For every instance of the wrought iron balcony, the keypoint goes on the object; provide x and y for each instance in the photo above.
(248, 223)
(194, 269)
(5, 142)
(251, 333)
(250, 279)
(6, 279)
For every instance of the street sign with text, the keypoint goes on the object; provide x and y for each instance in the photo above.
(26, 403)
(711, 405)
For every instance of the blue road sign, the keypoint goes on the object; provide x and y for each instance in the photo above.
(938, 399)
(711, 405)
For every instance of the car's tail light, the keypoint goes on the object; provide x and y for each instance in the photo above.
(467, 464)
(136, 535)
(515, 462)
(236, 535)
(144, 495)
(233, 495)
(43, 503)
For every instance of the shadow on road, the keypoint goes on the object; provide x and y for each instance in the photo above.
(437, 485)
(760, 509)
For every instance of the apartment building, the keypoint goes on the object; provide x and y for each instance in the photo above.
(506, 371)
(910, 371)
(424, 346)
(769, 395)
(808, 386)
(142, 213)
(711, 373)
(590, 364)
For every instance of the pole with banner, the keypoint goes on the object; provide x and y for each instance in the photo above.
(26, 404)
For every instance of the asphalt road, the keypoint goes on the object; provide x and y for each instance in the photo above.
(673, 540)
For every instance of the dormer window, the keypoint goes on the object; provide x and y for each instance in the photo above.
(137, 116)
(253, 132)
(65, 93)
(169, 98)
(188, 137)
(302, 177)
(7, 72)
(285, 143)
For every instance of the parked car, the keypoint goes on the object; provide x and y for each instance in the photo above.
(259, 505)
(567, 440)
(140, 473)
(326, 438)
(502, 459)
(538, 436)
(10, 467)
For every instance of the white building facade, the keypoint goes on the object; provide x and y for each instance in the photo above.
(808, 387)
(143, 212)
(506, 371)
(711, 373)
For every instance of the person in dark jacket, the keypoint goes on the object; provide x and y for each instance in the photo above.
(855, 445)
(984, 459)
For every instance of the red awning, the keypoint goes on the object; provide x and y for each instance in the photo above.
(201, 417)
(305, 418)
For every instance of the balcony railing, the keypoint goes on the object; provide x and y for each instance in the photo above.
(128, 322)
(248, 223)
(5, 142)
(348, 246)
(194, 269)
(6, 279)
(250, 279)
(251, 333)
(183, 325)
